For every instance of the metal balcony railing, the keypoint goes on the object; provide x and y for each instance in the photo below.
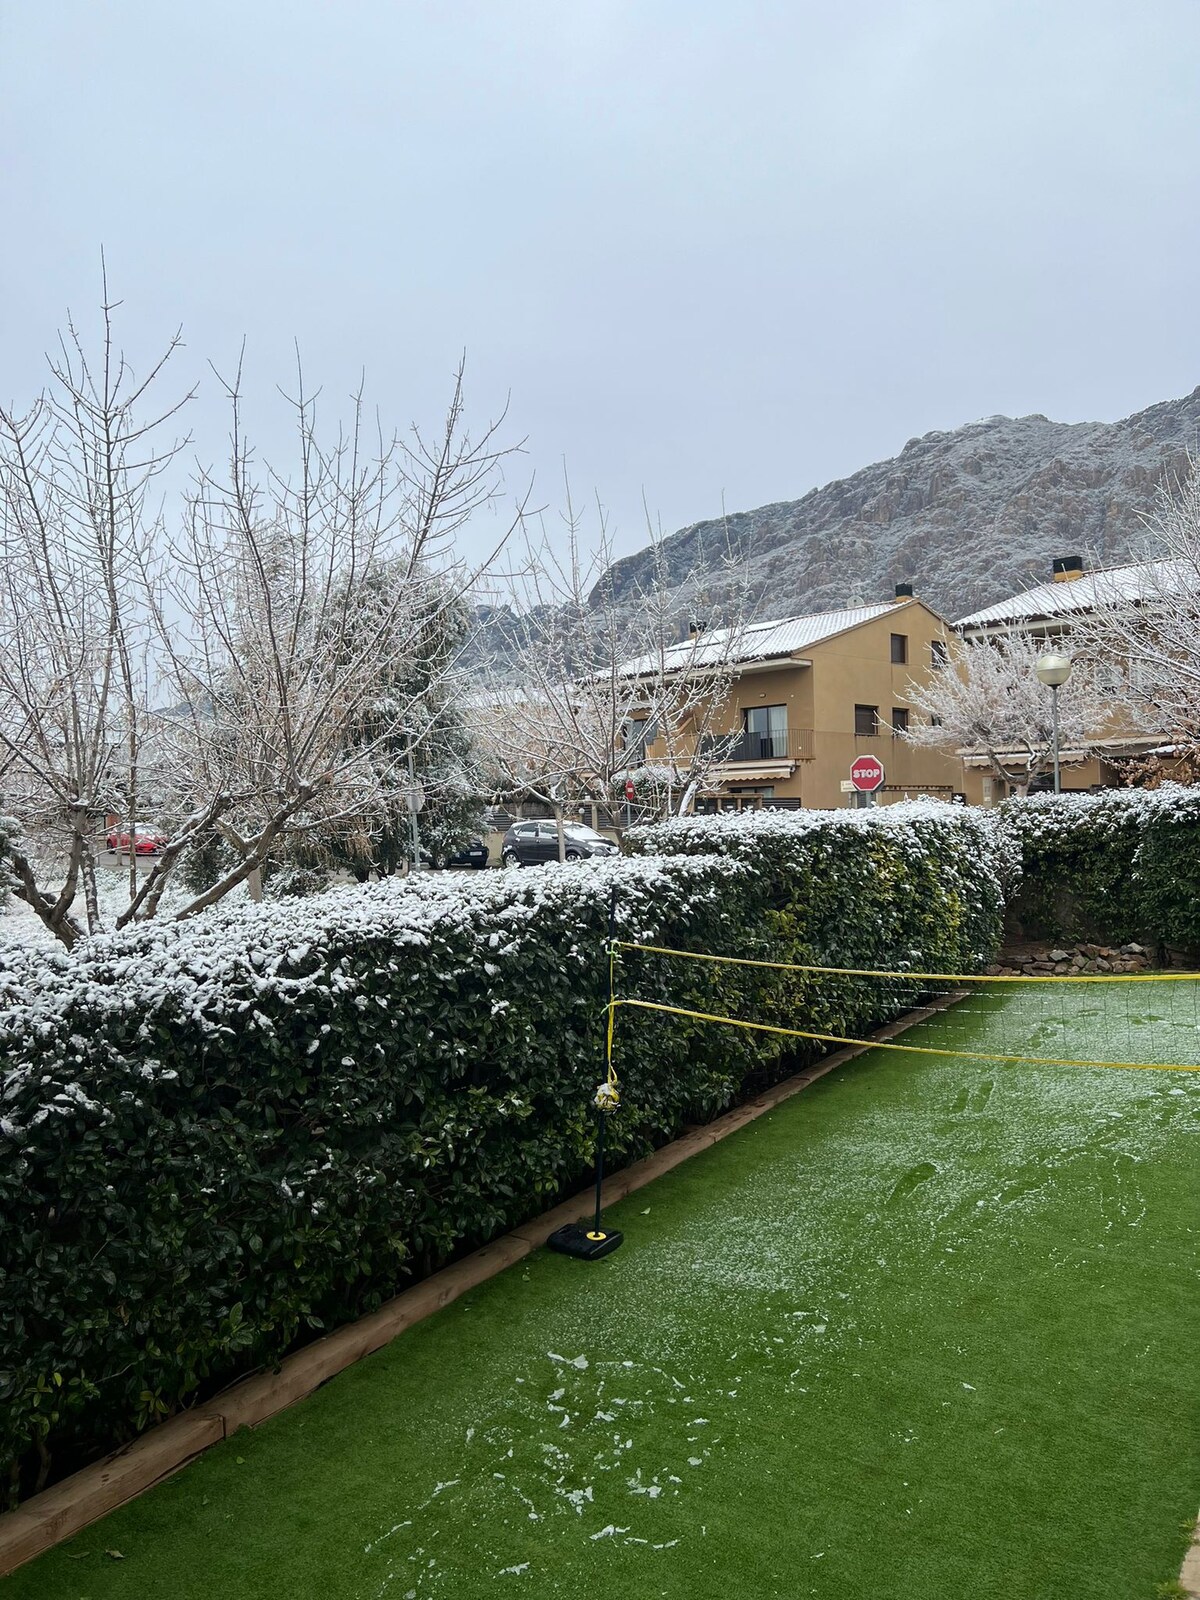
(783, 744)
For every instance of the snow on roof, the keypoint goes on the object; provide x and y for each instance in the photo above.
(761, 641)
(1108, 586)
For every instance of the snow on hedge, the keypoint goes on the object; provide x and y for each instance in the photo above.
(1120, 864)
(1045, 816)
(226, 965)
(219, 1135)
(895, 886)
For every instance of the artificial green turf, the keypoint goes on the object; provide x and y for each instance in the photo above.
(929, 1330)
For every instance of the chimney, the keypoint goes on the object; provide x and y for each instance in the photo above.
(694, 629)
(1067, 568)
(904, 591)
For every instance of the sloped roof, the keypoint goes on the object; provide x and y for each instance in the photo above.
(1108, 586)
(762, 641)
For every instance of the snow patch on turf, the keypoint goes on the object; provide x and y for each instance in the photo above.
(579, 1441)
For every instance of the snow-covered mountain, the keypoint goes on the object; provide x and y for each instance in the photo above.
(968, 516)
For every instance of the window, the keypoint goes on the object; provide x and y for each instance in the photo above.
(866, 722)
(939, 654)
(766, 732)
(637, 733)
(934, 720)
(899, 649)
(899, 721)
(1146, 679)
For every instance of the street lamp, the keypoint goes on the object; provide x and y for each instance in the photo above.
(1054, 670)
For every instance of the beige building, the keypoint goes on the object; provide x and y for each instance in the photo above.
(812, 694)
(1046, 612)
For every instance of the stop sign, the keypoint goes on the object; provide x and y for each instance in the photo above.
(629, 788)
(867, 774)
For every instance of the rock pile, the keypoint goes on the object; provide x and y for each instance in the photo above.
(1068, 963)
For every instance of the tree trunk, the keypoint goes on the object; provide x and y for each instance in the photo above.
(91, 897)
(688, 798)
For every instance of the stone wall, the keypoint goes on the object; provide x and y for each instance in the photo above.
(1067, 961)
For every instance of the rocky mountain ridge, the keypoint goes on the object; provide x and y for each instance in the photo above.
(968, 516)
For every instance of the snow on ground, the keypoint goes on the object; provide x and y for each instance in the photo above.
(566, 1443)
(20, 925)
(608, 1440)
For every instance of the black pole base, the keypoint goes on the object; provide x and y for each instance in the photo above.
(585, 1242)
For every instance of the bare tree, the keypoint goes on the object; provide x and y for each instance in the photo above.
(78, 545)
(221, 676)
(309, 602)
(988, 702)
(598, 679)
(1142, 636)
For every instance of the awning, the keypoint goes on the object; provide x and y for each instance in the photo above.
(752, 771)
(1013, 757)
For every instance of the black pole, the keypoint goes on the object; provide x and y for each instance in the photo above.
(599, 1169)
(1057, 772)
(600, 1117)
(575, 1239)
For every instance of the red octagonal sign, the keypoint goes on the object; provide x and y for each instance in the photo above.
(867, 774)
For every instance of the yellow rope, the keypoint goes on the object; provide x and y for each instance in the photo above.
(941, 977)
(880, 1044)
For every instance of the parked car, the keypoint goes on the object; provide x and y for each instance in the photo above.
(145, 841)
(472, 854)
(526, 844)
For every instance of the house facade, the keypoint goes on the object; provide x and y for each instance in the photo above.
(1046, 612)
(811, 694)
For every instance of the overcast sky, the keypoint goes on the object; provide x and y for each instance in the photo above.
(711, 250)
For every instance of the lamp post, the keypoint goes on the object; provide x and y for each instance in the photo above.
(1054, 670)
(415, 800)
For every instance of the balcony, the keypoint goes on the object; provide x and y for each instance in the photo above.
(784, 744)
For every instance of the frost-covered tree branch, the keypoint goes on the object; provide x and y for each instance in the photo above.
(310, 664)
(596, 678)
(1147, 642)
(988, 701)
(79, 548)
(257, 669)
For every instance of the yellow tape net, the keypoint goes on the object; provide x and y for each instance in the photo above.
(1076, 1020)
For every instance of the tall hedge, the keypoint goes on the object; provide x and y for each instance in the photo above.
(897, 886)
(220, 1136)
(915, 887)
(1123, 864)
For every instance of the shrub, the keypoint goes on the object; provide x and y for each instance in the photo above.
(912, 887)
(1120, 865)
(889, 887)
(218, 1136)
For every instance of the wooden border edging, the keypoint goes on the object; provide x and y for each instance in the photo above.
(58, 1513)
(1189, 1573)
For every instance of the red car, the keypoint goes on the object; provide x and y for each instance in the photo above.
(145, 841)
